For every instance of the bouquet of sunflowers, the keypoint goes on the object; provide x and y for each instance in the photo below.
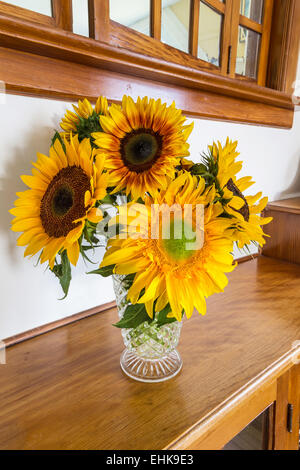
(138, 150)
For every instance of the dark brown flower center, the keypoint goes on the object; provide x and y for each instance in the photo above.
(63, 202)
(244, 210)
(140, 149)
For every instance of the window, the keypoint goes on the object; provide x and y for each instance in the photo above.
(229, 37)
(231, 60)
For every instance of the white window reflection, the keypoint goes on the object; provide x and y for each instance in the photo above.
(175, 23)
(134, 14)
(210, 30)
(39, 6)
(80, 17)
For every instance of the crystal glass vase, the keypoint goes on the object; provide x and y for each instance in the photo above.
(150, 354)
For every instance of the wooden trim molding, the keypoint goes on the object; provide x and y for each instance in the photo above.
(194, 27)
(265, 44)
(250, 24)
(99, 25)
(155, 19)
(251, 257)
(216, 5)
(26, 15)
(284, 49)
(41, 330)
(71, 66)
(62, 13)
(57, 79)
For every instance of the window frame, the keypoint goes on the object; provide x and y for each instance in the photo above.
(117, 60)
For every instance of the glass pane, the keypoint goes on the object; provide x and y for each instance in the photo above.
(252, 9)
(175, 17)
(252, 437)
(210, 30)
(134, 14)
(42, 6)
(247, 52)
(80, 17)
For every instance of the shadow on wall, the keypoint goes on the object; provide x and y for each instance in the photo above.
(18, 164)
(294, 187)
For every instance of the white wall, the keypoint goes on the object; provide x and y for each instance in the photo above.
(28, 295)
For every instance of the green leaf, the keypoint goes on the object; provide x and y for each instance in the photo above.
(162, 318)
(198, 169)
(105, 271)
(86, 126)
(63, 272)
(58, 136)
(109, 199)
(128, 281)
(83, 250)
(90, 247)
(89, 233)
(134, 315)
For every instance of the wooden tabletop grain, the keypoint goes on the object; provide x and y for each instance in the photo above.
(65, 389)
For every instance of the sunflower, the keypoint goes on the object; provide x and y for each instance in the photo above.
(143, 142)
(85, 119)
(246, 222)
(63, 191)
(166, 271)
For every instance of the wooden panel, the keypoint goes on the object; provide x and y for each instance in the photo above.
(268, 428)
(65, 389)
(284, 230)
(63, 14)
(60, 80)
(99, 21)
(265, 43)
(226, 39)
(235, 16)
(194, 27)
(24, 14)
(292, 438)
(292, 52)
(288, 393)
(281, 406)
(155, 23)
(286, 205)
(284, 45)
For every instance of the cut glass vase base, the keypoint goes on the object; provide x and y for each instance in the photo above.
(151, 370)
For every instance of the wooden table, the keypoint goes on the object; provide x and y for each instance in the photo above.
(65, 389)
